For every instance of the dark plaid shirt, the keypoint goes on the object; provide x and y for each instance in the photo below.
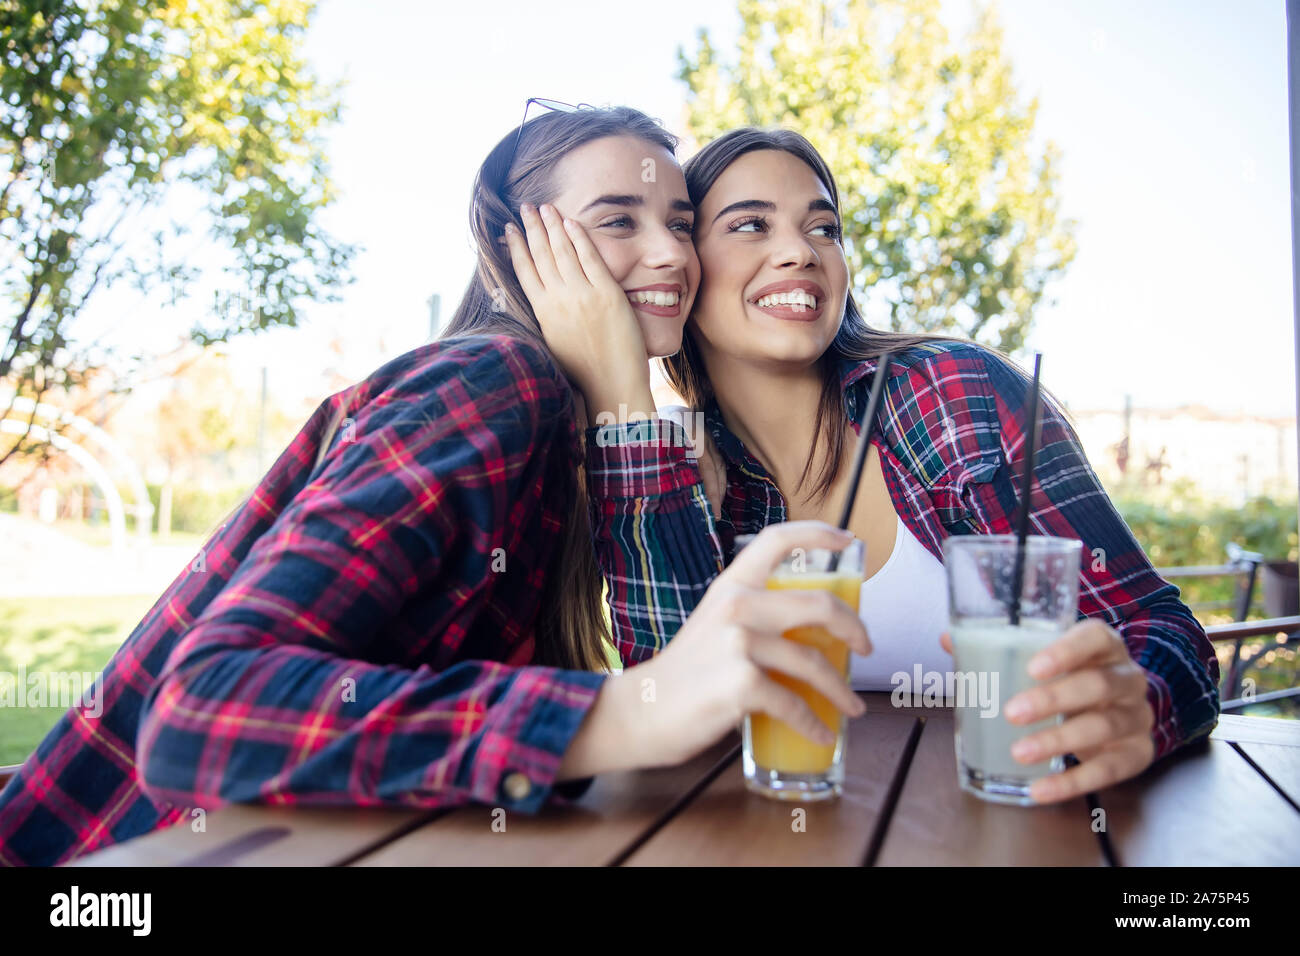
(951, 436)
(358, 633)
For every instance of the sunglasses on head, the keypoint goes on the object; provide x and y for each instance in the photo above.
(556, 105)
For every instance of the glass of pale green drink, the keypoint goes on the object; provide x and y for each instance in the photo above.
(991, 654)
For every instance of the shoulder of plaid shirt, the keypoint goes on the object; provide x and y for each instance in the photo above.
(345, 638)
(951, 437)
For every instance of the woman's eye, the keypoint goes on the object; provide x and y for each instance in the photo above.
(619, 222)
(832, 230)
(758, 222)
(683, 225)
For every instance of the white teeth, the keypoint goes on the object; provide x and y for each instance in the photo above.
(654, 298)
(799, 301)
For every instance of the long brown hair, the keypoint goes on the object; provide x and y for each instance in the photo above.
(571, 628)
(686, 372)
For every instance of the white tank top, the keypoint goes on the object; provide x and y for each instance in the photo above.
(905, 608)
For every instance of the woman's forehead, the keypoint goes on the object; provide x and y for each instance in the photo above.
(771, 175)
(621, 164)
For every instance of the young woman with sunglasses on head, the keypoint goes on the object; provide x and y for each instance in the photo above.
(406, 610)
(780, 361)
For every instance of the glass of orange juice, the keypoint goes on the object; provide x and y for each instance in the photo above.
(779, 761)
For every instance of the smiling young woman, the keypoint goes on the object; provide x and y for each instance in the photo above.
(405, 611)
(779, 360)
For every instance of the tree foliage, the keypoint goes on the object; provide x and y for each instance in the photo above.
(118, 121)
(951, 216)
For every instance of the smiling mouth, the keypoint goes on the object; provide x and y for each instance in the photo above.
(796, 301)
(668, 299)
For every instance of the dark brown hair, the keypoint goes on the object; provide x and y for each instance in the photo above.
(686, 372)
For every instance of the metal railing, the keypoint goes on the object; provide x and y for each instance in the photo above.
(1243, 565)
(1239, 631)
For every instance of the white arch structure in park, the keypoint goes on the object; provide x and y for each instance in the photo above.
(103, 479)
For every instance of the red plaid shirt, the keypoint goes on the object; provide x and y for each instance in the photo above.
(358, 633)
(951, 433)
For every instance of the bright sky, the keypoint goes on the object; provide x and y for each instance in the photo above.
(1171, 116)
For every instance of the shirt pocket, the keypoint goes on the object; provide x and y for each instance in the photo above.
(952, 493)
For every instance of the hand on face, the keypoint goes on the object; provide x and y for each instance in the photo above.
(1094, 681)
(612, 281)
(584, 314)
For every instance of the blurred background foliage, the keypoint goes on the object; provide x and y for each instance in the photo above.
(951, 213)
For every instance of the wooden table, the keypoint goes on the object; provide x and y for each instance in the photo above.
(1231, 800)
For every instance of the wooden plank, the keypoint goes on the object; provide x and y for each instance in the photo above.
(248, 835)
(937, 823)
(727, 825)
(1260, 730)
(1203, 805)
(1281, 764)
(612, 816)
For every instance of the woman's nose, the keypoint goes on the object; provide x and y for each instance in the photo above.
(794, 250)
(668, 250)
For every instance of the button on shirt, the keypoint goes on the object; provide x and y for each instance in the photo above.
(951, 437)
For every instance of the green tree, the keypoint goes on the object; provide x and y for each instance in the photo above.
(117, 117)
(951, 217)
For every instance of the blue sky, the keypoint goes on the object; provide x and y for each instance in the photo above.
(1171, 117)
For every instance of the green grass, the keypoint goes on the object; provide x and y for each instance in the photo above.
(57, 634)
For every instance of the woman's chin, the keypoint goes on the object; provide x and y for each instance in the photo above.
(661, 341)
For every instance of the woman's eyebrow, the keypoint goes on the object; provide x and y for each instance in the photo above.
(611, 200)
(824, 205)
(678, 205)
(762, 204)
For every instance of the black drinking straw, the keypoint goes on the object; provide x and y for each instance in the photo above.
(1026, 479)
(864, 442)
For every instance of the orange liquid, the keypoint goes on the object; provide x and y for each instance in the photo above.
(776, 745)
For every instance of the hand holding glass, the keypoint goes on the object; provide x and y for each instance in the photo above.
(991, 652)
(779, 761)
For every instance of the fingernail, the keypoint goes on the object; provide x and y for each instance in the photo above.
(1024, 750)
(510, 228)
(1016, 709)
(526, 208)
(1039, 667)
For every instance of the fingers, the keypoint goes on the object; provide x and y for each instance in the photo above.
(566, 259)
(539, 246)
(807, 664)
(1078, 646)
(1086, 689)
(761, 557)
(522, 260)
(1083, 733)
(589, 259)
(774, 612)
(788, 707)
(1126, 758)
